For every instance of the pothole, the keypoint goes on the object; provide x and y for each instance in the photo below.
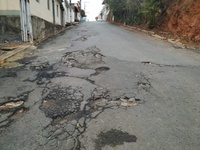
(43, 76)
(146, 62)
(41, 66)
(143, 86)
(113, 138)
(12, 109)
(83, 59)
(159, 65)
(82, 38)
(10, 105)
(100, 70)
(61, 102)
(96, 106)
(128, 102)
(19, 113)
(144, 83)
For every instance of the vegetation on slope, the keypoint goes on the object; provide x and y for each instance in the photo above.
(181, 17)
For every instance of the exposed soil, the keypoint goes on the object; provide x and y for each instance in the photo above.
(183, 18)
(180, 21)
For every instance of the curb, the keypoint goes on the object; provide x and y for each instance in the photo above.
(9, 54)
(64, 29)
(174, 42)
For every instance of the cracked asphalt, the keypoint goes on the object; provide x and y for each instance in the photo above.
(98, 86)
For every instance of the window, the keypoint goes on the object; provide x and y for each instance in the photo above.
(48, 4)
(57, 10)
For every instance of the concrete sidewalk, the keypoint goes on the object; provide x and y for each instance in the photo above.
(8, 49)
(13, 50)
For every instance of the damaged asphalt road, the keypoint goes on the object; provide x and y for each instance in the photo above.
(101, 87)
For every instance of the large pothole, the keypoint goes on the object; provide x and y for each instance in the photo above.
(61, 102)
(12, 109)
(83, 59)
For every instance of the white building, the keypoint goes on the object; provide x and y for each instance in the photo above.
(35, 19)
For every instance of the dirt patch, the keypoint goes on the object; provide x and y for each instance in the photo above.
(183, 18)
(12, 109)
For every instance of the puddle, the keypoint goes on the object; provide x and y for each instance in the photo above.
(113, 138)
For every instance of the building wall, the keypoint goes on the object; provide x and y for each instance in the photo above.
(43, 29)
(57, 12)
(10, 7)
(40, 9)
(42, 18)
(10, 26)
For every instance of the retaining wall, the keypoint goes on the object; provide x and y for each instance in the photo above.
(10, 28)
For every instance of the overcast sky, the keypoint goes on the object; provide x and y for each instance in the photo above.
(92, 8)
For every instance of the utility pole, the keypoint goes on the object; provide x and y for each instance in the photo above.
(86, 13)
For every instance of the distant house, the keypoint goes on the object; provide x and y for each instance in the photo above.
(106, 12)
(34, 19)
(76, 6)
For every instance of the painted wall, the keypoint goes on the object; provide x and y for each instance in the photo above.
(42, 19)
(10, 28)
(9, 7)
(40, 9)
(43, 29)
(57, 12)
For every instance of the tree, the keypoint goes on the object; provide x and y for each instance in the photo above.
(83, 13)
(151, 9)
(135, 11)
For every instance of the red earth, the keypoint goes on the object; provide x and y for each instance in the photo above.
(183, 18)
